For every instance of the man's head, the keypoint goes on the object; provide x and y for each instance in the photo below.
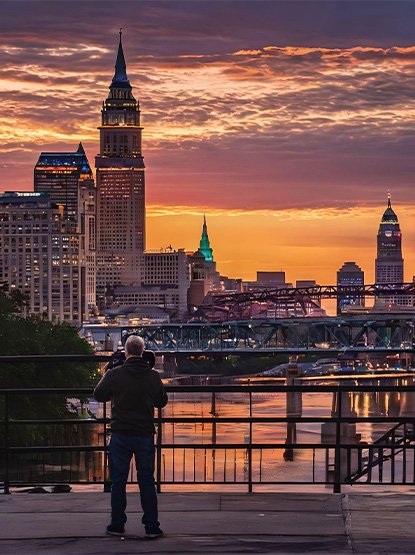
(134, 346)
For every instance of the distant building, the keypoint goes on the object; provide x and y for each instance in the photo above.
(389, 261)
(120, 186)
(168, 269)
(231, 284)
(267, 280)
(303, 283)
(204, 277)
(350, 274)
(39, 255)
(271, 278)
(62, 175)
(68, 180)
(165, 282)
(389, 264)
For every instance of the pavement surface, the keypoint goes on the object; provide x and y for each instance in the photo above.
(74, 523)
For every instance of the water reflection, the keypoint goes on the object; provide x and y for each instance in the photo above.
(273, 464)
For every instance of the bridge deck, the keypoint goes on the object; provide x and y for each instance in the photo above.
(212, 523)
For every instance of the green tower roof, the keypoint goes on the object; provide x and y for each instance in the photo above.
(204, 246)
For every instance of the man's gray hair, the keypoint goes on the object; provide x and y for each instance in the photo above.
(135, 345)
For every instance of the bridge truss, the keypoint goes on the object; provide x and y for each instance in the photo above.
(321, 335)
(291, 302)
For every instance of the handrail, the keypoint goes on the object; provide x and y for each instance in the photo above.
(336, 447)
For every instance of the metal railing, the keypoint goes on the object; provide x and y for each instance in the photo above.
(234, 445)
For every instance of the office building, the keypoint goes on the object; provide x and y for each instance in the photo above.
(62, 175)
(120, 186)
(39, 256)
(67, 178)
(350, 274)
(389, 264)
(165, 281)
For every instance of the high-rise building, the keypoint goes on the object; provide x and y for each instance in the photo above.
(62, 175)
(389, 261)
(389, 266)
(350, 274)
(39, 256)
(120, 186)
(68, 180)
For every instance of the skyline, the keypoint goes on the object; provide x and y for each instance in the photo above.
(229, 110)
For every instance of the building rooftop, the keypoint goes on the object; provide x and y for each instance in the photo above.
(23, 198)
(77, 159)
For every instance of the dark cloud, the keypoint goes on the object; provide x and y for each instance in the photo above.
(244, 104)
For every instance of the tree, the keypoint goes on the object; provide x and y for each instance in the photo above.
(37, 336)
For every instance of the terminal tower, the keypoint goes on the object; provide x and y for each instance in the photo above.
(120, 185)
(389, 261)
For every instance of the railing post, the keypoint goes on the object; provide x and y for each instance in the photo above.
(107, 482)
(6, 442)
(250, 445)
(158, 449)
(337, 450)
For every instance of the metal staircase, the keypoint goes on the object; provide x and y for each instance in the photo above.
(385, 449)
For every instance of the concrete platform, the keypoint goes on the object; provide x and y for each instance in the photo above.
(74, 523)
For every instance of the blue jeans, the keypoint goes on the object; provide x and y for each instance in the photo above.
(121, 450)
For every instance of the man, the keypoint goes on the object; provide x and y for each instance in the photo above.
(134, 389)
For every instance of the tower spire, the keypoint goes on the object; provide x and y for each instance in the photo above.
(205, 247)
(120, 75)
(389, 200)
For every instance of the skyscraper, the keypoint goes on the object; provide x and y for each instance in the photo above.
(350, 274)
(61, 175)
(120, 185)
(68, 180)
(389, 261)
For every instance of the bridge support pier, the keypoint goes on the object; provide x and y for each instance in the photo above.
(294, 407)
(170, 365)
(347, 435)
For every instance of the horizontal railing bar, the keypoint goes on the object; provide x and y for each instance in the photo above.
(232, 389)
(20, 359)
(213, 446)
(16, 484)
(230, 420)
(218, 348)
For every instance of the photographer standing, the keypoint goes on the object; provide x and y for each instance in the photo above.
(134, 389)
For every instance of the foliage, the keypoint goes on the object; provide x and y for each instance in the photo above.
(37, 336)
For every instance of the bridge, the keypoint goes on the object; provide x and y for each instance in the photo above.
(382, 334)
(292, 302)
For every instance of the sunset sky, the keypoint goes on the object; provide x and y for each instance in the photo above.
(285, 122)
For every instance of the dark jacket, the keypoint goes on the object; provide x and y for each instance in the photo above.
(134, 390)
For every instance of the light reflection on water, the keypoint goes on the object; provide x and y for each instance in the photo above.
(268, 465)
